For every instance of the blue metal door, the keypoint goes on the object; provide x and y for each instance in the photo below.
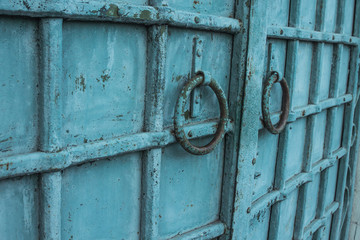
(157, 119)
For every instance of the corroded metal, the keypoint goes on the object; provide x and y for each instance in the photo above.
(179, 117)
(311, 36)
(125, 13)
(274, 78)
(37, 162)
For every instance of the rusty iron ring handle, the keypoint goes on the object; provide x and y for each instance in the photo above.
(179, 117)
(274, 78)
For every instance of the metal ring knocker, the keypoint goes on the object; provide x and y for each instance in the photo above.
(274, 78)
(200, 78)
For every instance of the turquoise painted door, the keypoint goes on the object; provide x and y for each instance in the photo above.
(153, 119)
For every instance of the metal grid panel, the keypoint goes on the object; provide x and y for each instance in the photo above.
(299, 189)
(50, 159)
(53, 157)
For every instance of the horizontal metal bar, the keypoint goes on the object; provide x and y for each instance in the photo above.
(296, 181)
(36, 162)
(311, 109)
(291, 33)
(209, 231)
(320, 222)
(124, 13)
(264, 202)
(328, 162)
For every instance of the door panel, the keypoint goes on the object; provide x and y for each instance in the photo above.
(190, 190)
(100, 196)
(88, 96)
(104, 67)
(19, 85)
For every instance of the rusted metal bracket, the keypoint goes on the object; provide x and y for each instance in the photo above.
(196, 66)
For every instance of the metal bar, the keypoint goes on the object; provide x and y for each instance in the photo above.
(157, 40)
(31, 163)
(325, 163)
(329, 136)
(346, 141)
(354, 152)
(266, 201)
(50, 114)
(291, 33)
(249, 134)
(209, 231)
(320, 222)
(311, 109)
(337, 223)
(282, 155)
(195, 102)
(50, 215)
(124, 13)
(238, 71)
(311, 132)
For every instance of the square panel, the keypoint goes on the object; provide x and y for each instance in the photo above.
(190, 188)
(279, 15)
(104, 81)
(265, 163)
(19, 85)
(301, 85)
(295, 148)
(101, 200)
(19, 208)
(286, 221)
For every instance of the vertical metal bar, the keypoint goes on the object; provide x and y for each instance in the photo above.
(329, 136)
(250, 111)
(346, 142)
(197, 61)
(290, 71)
(238, 71)
(314, 98)
(51, 76)
(151, 167)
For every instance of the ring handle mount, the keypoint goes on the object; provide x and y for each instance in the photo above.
(200, 78)
(265, 107)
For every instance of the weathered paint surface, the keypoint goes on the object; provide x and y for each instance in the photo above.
(88, 92)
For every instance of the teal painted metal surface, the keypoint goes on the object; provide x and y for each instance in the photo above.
(88, 93)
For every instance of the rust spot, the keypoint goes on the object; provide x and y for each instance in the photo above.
(80, 83)
(197, 19)
(6, 164)
(187, 115)
(113, 11)
(146, 15)
(103, 78)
